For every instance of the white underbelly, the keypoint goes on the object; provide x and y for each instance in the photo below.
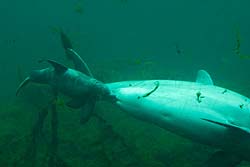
(179, 122)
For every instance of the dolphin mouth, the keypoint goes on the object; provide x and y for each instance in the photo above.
(25, 82)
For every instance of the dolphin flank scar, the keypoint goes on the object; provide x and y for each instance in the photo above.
(157, 83)
(199, 97)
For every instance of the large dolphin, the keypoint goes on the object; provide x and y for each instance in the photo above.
(198, 110)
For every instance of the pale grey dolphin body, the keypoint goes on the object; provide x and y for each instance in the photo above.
(198, 110)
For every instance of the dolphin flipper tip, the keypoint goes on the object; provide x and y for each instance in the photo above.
(25, 82)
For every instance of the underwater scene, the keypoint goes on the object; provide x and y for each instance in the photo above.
(125, 83)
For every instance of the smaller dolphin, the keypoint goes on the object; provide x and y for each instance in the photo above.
(84, 90)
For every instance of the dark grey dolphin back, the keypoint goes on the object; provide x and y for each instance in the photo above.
(89, 104)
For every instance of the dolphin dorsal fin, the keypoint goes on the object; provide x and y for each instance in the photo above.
(204, 78)
(59, 68)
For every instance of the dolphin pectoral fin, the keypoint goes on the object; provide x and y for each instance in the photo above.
(25, 82)
(72, 55)
(87, 111)
(75, 103)
(204, 78)
(66, 43)
(222, 159)
(230, 126)
(79, 63)
(86, 108)
(59, 68)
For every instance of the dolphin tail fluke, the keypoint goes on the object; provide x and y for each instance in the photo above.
(24, 83)
(87, 111)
